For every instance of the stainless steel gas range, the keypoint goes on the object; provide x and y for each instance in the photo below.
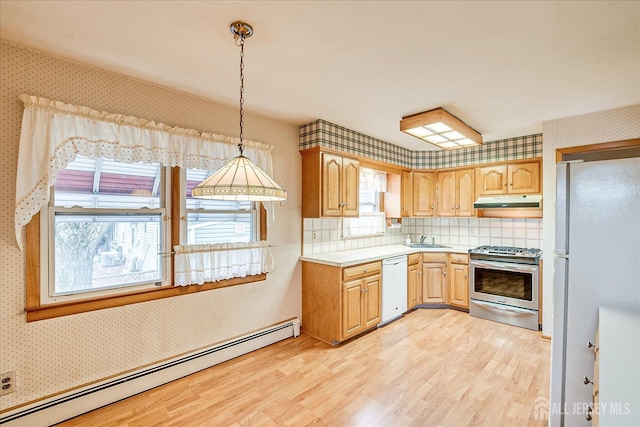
(504, 285)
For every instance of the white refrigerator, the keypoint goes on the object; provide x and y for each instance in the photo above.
(597, 264)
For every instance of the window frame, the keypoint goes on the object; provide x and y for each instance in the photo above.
(36, 310)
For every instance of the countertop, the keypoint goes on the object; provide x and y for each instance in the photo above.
(374, 253)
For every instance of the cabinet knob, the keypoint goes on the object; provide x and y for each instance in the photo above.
(444, 273)
(586, 380)
(505, 184)
(465, 276)
(452, 208)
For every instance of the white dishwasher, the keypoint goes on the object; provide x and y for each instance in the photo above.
(394, 288)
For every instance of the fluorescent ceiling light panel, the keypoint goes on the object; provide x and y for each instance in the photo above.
(435, 139)
(442, 129)
(420, 132)
(438, 127)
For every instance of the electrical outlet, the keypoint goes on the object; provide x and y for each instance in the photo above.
(314, 236)
(7, 382)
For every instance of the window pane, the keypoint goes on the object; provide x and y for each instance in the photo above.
(217, 221)
(195, 177)
(219, 227)
(95, 252)
(105, 183)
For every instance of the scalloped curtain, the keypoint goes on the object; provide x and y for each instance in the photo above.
(54, 133)
(199, 264)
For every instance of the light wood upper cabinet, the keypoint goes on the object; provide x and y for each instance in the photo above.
(446, 193)
(524, 178)
(492, 180)
(330, 185)
(456, 193)
(517, 178)
(407, 193)
(459, 281)
(340, 178)
(465, 192)
(424, 194)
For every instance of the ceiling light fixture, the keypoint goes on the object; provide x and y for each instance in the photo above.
(441, 129)
(240, 178)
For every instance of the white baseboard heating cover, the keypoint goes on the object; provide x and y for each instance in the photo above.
(64, 406)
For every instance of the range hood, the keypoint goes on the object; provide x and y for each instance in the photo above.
(508, 202)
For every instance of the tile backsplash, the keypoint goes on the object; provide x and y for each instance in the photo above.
(321, 235)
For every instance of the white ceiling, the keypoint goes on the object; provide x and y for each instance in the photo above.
(503, 67)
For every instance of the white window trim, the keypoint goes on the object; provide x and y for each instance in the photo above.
(255, 235)
(47, 267)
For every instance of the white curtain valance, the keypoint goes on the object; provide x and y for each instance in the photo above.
(199, 264)
(54, 133)
(373, 180)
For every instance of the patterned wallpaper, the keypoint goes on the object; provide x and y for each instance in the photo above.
(604, 126)
(53, 355)
(321, 133)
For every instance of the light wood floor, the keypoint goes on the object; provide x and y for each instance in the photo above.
(433, 367)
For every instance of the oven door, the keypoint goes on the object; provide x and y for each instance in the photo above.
(504, 283)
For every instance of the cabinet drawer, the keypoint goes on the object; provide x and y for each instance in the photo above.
(434, 257)
(414, 259)
(361, 270)
(459, 258)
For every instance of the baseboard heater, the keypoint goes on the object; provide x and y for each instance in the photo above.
(68, 405)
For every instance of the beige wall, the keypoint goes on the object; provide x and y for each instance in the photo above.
(54, 355)
(604, 126)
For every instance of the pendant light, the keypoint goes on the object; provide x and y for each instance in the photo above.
(240, 178)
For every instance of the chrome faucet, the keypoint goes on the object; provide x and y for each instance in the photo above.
(422, 239)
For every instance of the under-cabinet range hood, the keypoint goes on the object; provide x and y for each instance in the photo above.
(508, 202)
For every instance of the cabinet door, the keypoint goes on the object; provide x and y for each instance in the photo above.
(434, 283)
(524, 178)
(459, 290)
(407, 194)
(446, 203)
(352, 308)
(492, 180)
(372, 304)
(350, 186)
(414, 286)
(465, 192)
(331, 185)
(423, 194)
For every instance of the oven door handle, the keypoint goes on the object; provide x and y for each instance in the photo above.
(499, 307)
(504, 266)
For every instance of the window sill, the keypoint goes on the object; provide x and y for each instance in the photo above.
(51, 311)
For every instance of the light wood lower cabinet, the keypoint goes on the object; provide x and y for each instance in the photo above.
(434, 278)
(414, 281)
(459, 280)
(338, 303)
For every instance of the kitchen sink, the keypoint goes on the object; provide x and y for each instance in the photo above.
(427, 245)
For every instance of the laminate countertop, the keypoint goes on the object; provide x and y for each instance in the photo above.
(375, 253)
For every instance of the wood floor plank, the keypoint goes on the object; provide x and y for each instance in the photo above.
(432, 367)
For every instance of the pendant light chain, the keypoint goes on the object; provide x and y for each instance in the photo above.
(241, 144)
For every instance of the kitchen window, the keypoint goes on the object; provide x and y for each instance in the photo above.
(105, 237)
(105, 200)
